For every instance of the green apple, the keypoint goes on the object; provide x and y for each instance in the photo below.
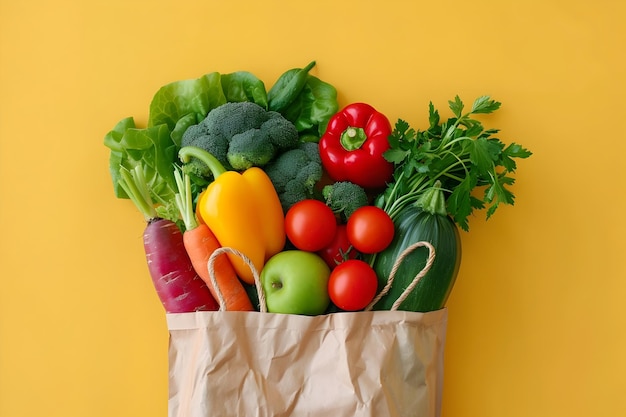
(296, 282)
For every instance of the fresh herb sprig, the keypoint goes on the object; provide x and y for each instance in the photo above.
(459, 153)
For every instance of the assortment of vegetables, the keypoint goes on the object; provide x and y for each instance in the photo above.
(200, 243)
(242, 210)
(326, 204)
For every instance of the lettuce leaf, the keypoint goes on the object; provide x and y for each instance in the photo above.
(180, 104)
(151, 148)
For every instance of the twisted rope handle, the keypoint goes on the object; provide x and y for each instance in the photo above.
(413, 284)
(382, 293)
(255, 274)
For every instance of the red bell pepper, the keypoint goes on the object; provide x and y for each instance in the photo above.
(352, 147)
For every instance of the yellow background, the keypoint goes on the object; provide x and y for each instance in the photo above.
(537, 318)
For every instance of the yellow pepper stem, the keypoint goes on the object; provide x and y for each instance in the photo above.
(187, 152)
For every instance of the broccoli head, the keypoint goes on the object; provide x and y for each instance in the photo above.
(240, 135)
(295, 173)
(217, 146)
(344, 197)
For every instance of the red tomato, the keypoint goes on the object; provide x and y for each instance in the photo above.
(310, 225)
(352, 285)
(370, 229)
(340, 249)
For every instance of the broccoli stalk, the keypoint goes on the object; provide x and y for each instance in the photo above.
(344, 198)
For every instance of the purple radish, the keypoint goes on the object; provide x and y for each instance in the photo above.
(177, 284)
(179, 287)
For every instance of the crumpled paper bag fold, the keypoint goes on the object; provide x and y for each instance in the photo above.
(363, 364)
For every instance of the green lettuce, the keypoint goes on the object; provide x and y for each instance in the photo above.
(180, 104)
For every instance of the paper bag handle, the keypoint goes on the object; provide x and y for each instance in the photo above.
(413, 284)
(255, 274)
(382, 293)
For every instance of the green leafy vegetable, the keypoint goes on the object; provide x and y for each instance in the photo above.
(181, 104)
(461, 154)
(178, 106)
(287, 87)
(313, 107)
(178, 99)
(244, 86)
(151, 149)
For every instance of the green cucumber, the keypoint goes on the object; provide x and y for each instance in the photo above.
(427, 220)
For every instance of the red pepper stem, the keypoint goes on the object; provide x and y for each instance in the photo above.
(353, 138)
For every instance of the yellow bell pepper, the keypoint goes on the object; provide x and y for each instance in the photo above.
(242, 210)
(269, 209)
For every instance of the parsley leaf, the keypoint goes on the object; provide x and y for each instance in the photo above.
(482, 154)
(496, 193)
(513, 151)
(433, 116)
(396, 155)
(456, 106)
(484, 105)
(458, 155)
(459, 202)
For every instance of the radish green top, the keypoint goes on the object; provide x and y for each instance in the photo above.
(134, 184)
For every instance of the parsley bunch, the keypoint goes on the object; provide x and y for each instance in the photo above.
(457, 155)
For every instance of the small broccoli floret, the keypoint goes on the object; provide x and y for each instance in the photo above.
(240, 135)
(280, 131)
(250, 148)
(344, 197)
(295, 173)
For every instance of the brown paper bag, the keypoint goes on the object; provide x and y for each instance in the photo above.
(257, 364)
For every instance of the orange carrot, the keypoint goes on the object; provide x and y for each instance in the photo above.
(200, 243)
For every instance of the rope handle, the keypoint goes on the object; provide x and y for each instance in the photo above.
(381, 294)
(416, 279)
(255, 274)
